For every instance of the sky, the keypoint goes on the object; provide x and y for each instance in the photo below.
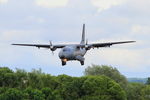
(39, 21)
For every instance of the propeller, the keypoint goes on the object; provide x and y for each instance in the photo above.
(51, 47)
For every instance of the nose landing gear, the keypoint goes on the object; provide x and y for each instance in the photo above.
(63, 61)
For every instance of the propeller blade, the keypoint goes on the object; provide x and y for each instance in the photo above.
(52, 52)
(50, 43)
(51, 47)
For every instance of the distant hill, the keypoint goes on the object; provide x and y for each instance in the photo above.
(137, 80)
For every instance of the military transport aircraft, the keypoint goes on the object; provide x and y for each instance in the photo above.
(70, 52)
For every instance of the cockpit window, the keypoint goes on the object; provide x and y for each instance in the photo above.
(65, 49)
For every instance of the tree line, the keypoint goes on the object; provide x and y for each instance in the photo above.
(133, 90)
(97, 83)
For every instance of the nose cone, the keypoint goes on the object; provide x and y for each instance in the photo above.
(61, 55)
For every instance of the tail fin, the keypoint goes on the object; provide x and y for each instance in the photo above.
(83, 35)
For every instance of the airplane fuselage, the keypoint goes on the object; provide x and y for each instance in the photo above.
(72, 53)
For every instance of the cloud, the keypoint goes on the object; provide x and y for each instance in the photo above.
(140, 5)
(127, 59)
(106, 4)
(3, 1)
(52, 3)
(36, 19)
(18, 35)
(139, 29)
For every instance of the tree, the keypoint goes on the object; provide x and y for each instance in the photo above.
(72, 90)
(12, 94)
(49, 81)
(134, 91)
(48, 94)
(21, 78)
(35, 85)
(4, 75)
(92, 88)
(95, 98)
(145, 93)
(34, 94)
(148, 81)
(103, 88)
(35, 79)
(108, 71)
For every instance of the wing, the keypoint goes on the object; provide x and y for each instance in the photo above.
(88, 46)
(42, 45)
(97, 45)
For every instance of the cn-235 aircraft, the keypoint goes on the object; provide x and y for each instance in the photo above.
(71, 52)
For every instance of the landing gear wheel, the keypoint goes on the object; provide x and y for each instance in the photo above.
(82, 63)
(63, 63)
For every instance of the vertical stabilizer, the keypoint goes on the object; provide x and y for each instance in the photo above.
(83, 35)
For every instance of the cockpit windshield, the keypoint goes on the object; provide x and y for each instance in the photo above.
(66, 49)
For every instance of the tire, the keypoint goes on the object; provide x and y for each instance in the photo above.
(63, 63)
(82, 63)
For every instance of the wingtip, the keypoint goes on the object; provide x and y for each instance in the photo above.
(133, 41)
(130, 41)
(14, 44)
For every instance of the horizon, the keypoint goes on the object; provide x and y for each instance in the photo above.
(38, 21)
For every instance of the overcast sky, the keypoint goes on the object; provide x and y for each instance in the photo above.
(38, 21)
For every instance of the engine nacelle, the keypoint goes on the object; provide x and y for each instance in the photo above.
(87, 47)
(53, 49)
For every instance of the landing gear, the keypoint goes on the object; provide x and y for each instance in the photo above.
(63, 63)
(82, 63)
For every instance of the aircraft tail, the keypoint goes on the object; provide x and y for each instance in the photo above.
(83, 35)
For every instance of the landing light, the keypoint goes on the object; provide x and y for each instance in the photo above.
(65, 60)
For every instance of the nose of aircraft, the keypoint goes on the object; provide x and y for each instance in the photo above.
(61, 55)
